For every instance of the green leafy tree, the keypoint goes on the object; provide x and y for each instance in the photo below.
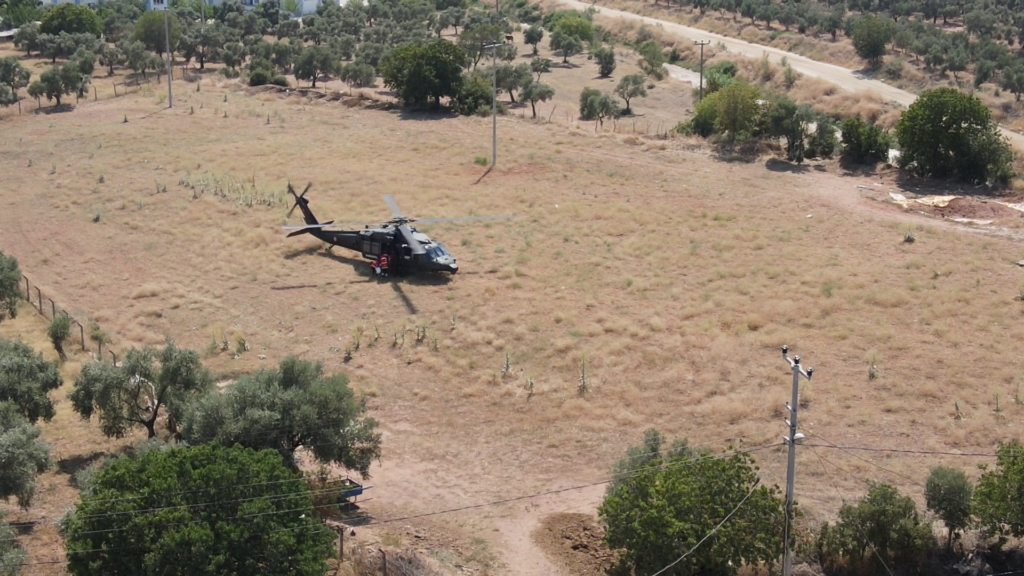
(11, 554)
(533, 36)
(652, 59)
(948, 134)
(18, 13)
(788, 121)
(423, 73)
(233, 55)
(149, 30)
(870, 35)
(58, 82)
(137, 57)
(576, 26)
(13, 77)
(605, 61)
(58, 332)
(314, 62)
(566, 44)
(295, 406)
(511, 78)
(25, 380)
(663, 502)
(948, 493)
(133, 393)
(999, 497)
(474, 95)
(202, 510)
(956, 61)
(822, 142)
(282, 55)
(540, 66)
(631, 86)
(10, 285)
(23, 455)
(534, 92)
(596, 105)
(71, 18)
(705, 117)
(1012, 79)
(111, 56)
(358, 75)
(27, 38)
(864, 143)
(738, 110)
(473, 41)
(885, 523)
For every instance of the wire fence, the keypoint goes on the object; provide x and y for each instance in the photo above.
(131, 84)
(37, 302)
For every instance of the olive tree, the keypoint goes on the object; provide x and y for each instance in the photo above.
(294, 406)
(10, 285)
(133, 393)
(999, 497)
(534, 92)
(22, 453)
(13, 76)
(26, 379)
(631, 86)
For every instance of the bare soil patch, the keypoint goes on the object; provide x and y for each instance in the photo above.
(575, 542)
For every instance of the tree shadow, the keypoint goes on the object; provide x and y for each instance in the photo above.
(64, 107)
(776, 165)
(420, 114)
(75, 464)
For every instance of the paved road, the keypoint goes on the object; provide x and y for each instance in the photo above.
(843, 77)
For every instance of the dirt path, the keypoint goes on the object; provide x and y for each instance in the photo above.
(847, 79)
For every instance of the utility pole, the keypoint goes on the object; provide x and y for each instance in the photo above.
(791, 440)
(702, 44)
(167, 41)
(494, 100)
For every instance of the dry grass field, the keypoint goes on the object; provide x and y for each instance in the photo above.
(673, 274)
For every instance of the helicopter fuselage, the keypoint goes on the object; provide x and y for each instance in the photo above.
(372, 242)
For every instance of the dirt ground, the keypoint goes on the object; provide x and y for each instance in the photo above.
(575, 541)
(672, 272)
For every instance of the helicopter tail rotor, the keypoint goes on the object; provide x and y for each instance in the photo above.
(300, 199)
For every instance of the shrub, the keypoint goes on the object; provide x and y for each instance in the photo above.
(605, 61)
(822, 142)
(71, 18)
(58, 332)
(705, 117)
(864, 143)
(474, 94)
(10, 286)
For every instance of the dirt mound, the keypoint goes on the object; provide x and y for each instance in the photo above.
(575, 542)
(967, 207)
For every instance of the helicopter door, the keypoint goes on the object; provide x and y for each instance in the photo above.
(406, 252)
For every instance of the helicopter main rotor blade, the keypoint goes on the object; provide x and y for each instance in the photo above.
(292, 192)
(413, 243)
(393, 205)
(330, 224)
(464, 218)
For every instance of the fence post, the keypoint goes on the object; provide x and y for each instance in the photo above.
(114, 356)
(384, 557)
(40, 297)
(81, 333)
(53, 308)
(99, 350)
(28, 293)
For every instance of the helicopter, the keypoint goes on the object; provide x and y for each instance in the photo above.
(409, 249)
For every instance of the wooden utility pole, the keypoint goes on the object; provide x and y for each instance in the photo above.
(702, 44)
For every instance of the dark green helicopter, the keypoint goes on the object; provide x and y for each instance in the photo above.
(408, 249)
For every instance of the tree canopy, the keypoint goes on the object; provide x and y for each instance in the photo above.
(631, 86)
(999, 497)
(884, 524)
(663, 502)
(314, 62)
(420, 73)
(295, 406)
(870, 35)
(59, 81)
(150, 30)
(10, 285)
(71, 18)
(26, 379)
(13, 76)
(22, 453)
(133, 393)
(948, 494)
(202, 510)
(946, 133)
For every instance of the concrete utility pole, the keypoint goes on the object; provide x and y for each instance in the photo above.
(702, 44)
(791, 440)
(494, 101)
(167, 41)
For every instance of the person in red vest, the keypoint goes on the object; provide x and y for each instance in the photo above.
(385, 260)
